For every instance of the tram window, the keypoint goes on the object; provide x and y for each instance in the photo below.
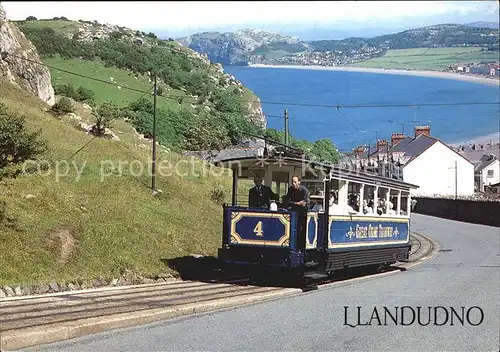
(279, 183)
(368, 195)
(353, 193)
(381, 202)
(404, 203)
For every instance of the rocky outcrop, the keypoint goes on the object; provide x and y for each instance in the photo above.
(18, 62)
(239, 47)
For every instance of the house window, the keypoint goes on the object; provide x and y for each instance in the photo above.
(490, 173)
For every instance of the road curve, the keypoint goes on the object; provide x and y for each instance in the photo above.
(466, 273)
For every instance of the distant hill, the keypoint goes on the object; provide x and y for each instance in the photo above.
(481, 24)
(234, 48)
(272, 48)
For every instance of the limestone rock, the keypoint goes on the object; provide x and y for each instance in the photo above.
(19, 62)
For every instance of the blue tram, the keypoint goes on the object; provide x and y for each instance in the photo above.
(354, 218)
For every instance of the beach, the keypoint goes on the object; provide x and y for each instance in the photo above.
(421, 73)
(493, 138)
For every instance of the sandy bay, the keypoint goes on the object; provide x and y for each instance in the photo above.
(421, 73)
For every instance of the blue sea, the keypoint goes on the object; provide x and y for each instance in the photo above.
(348, 127)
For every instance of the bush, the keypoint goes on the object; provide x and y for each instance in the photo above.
(218, 195)
(62, 107)
(104, 115)
(17, 145)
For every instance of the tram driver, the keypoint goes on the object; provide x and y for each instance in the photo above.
(260, 195)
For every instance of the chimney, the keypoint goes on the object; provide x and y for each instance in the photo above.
(396, 138)
(359, 151)
(422, 130)
(382, 143)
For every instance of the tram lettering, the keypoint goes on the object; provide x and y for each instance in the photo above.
(372, 231)
(258, 229)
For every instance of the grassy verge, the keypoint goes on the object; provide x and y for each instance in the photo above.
(428, 58)
(82, 225)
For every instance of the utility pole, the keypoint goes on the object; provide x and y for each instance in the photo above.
(286, 127)
(153, 166)
(455, 167)
(456, 179)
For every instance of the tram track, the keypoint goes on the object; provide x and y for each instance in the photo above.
(34, 320)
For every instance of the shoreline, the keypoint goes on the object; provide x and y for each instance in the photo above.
(420, 73)
(481, 140)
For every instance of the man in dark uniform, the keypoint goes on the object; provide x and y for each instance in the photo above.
(260, 195)
(297, 198)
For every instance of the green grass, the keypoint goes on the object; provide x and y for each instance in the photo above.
(65, 27)
(428, 58)
(107, 225)
(108, 92)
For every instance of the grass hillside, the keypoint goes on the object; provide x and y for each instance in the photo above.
(82, 53)
(199, 106)
(428, 58)
(83, 228)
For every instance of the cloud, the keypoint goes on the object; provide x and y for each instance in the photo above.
(193, 15)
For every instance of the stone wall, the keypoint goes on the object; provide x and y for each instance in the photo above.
(477, 212)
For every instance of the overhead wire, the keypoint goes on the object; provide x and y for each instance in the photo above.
(337, 106)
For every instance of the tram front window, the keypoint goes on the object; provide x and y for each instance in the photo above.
(279, 183)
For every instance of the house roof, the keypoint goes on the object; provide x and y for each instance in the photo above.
(409, 147)
(416, 146)
(474, 156)
(485, 161)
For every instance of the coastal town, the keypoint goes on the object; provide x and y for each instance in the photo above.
(468, 170)
(482, 69)
(328, 58)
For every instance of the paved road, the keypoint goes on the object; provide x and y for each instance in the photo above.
(465, 274)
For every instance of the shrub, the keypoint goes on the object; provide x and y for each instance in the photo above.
(62, 107)
(218, 195)
(17, 145)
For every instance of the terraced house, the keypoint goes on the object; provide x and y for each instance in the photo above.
(436, 168)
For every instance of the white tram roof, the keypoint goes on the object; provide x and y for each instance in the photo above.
(249, 165)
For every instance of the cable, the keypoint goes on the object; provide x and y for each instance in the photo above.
(338, 106)
(86, 144)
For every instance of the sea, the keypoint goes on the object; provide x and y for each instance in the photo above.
(348, 107)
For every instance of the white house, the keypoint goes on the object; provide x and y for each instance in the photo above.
(487, 172)
(428, 163)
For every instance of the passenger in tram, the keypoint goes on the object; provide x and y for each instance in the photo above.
(380, 206)
(333, 207)
(391, 210)
(338, 209)
(367, 209)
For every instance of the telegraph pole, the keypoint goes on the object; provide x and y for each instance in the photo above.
(455, 167)
(153, 166)
(286, 127)
(456, 179)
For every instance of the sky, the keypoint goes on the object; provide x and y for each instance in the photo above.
(183, 18)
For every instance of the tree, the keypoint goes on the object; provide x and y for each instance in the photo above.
(17, 145)
(31, 18)
(105, 114)
(325, 151)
